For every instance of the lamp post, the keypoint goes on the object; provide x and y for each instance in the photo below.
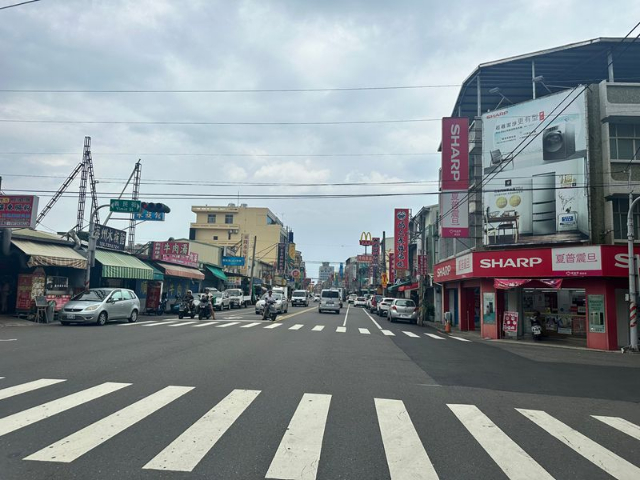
(91, 246)
(633, 320)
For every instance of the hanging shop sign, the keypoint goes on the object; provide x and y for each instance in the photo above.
(401, 238)
(174, 252)
(365, 239)
(510, 322)
(18, 211)
(233, 261)
(454, 204)
(282, 257)
(392, 268)
(364, 258)
(110, 238)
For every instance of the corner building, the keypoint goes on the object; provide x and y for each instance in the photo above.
(554, 138)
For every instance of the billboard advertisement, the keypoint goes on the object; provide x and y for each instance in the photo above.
(18, 211)
(455, 214)
(454, 203)
(401, 238)
(535, 187)
(174, 252)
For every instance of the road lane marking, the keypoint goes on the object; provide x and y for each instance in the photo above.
(136, 323)
(299, 452)
(297, 326)
(8, 339)
(249, 325)
(344, 324)
(294, 314)
(318, 328)
(160, 323)
(227, 324)
(77, 444)
(389, 333)
(27, 387)
(341, 329)
(180, 324)
(364, 331)
(621, 424)
(433, 335)
(608, 461)
(374, 322)
(274, 325)
(186, 451)
(406, 457)
(508, 455)
(411, 334)
(459, 338)
(35, 414)
(205, 324)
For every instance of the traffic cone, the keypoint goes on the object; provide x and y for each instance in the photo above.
(447, 327)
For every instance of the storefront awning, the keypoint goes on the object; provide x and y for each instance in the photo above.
(50, 255)
(217, 272)
(157, 274)
(121, 265)
(411, 286)
(180, 271)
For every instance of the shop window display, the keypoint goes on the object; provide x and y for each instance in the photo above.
(563, 312)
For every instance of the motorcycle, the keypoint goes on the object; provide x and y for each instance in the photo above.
(161, 307)
(270, 311)
(187, 308)
(536, 328)
(204, 309)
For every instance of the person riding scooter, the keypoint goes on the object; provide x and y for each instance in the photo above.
(204, 309)
(269, 300)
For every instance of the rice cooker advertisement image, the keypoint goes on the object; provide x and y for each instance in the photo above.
(535, 189)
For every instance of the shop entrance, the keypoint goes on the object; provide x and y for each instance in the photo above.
(453, 304)
(562, 311)
(470, 308)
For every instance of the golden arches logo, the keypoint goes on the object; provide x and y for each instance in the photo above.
(365, 239)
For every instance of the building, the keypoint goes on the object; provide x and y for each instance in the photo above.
(325, 272)
(235, 226)
(552, 140)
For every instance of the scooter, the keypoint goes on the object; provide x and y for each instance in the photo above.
(536, 329)
(204, 309)
(187, 308)
(270, 312)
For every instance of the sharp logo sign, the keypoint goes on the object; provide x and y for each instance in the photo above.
(510, 262)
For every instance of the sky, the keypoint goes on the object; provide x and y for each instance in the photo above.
(212, 138)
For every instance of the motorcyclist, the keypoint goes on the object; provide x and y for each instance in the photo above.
(268, 301)
(212, 300)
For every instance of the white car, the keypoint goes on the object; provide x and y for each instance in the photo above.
(299, 297)
(360, 302)
(352, 298)
(402, 309)
(282, 304)
(383, 306)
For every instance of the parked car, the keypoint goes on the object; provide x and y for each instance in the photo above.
(383, 306)
(221, 300)
(329, 301)
(360, 302)
(101, 305)
(352, 298)
(368, 300)
(299, 297)
(402, 309)
(373, 302)
(237, 298)
(282, 304)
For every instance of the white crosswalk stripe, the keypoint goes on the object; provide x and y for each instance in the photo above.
(406, 457)
(205, 324)
(298, 455)
(32, 415)
(411, 334)
(249, 325)
(27, 387)
(434, 336)
(621, 424)
(318, 328)
(77, 444)
(167, 322)
(274, 325)
(136, 323)
(513, 460)
(227, 324)
(341, 329)
(297, 326)
(608, 461)
(459, 338)
(186, 451)
(364, 331)
(389, 333)
(182, 324)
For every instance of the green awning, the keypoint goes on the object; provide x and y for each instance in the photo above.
(396, 286)
(157, 274)
(217, 272)
(121, 265)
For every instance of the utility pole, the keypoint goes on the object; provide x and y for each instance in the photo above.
(253, 263)
(633, 318)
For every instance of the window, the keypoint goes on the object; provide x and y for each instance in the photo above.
(211, 218)
(215, 237)
(271, 221)
(192, 234)
(624, 141)
(116, 296)
(620, 209)
(329, 294)
(127, 295)
(228, 218)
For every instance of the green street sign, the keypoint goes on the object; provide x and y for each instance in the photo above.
(125, 206)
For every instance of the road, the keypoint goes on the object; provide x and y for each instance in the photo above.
(347, 396)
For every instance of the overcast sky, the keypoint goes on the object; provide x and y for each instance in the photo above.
(218, 45)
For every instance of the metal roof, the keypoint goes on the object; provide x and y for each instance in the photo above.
(562, 67)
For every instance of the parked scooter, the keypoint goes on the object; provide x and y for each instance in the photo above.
(204, 309)
(161, 306)
(536, 326)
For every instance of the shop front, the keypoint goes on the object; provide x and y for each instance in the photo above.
(214, 276)
(577, 293)
(178, 279)
(119, 270)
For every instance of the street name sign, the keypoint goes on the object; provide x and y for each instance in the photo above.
(125, 206)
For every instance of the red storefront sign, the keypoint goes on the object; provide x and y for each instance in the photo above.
(18, 211)
(401, 239)
(23, 298)
(455, 153)
(365, 258)
(510, 322)
(174, 252)
(392, 269)
(153, 296)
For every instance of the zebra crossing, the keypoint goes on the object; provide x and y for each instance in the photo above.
(294, 327)
(299, 453)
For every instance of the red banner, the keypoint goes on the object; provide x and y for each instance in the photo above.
(23, 298)
(392, 269)
(174, 252)
(153, 296)
(401, 238)
(507, 283)
(365, 258)
(455, 153)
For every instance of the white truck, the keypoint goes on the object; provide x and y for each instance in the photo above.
(283, 290)
(237, 298)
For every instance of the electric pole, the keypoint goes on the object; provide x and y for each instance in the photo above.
(253, 262)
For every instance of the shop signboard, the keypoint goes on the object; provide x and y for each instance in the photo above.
(153, 295)
(56, 284)
(510, 322)
(534, 171)
(245, 248)
(401, 238)
(23, 297)
(454, 221)
(454, 203)
(232, 261)
(146, 216)
(365, 258)
(60, 300)
(365, 239)
(282, 254)
(110, 238)
(174, 252)
(596, 313)
(18, 211)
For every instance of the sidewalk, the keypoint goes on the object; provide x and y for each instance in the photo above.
(11, 321)
(471, 334)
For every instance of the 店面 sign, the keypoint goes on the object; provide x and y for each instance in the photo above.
(110, 238)
(401, 238)
(454, 204)
(174, 252)
(18, 211)
(233, 261)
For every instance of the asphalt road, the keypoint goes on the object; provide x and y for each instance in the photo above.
(326, 396)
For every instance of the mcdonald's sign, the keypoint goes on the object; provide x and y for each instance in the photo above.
(365, 239)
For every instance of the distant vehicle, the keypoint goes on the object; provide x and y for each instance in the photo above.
(282, 290)
(342, 294)
(402, 309)
(373, 302)
(383, 306)
(360, 302)
(220, 300)
(299, 297)
(316, 298)
(237, 298)
(281, 305)
(101, 305)
(329, 301)
(352, 297)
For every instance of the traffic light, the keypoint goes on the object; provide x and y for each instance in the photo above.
(155, 207)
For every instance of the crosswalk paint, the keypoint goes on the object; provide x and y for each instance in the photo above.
(410, 334)
(388, 333)
(27, 387)
(168, 322)
(77, 444)
(621, 424)
(297, 326)
(298, 455)
(274, 325)
(608, 461)
(136, 323)
(364, 331)
(249, 325)
(406, 457)
(341, 329)
(205, 324)
(227, 324)
(186, 451)
(35, 414)
(434, 336)
(508, 455)
(318, 328)
(181, 324)
(460, 339)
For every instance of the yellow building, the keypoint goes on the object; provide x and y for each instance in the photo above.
(234, 226)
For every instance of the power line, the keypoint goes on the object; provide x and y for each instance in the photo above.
(18, 4)
(213, 154)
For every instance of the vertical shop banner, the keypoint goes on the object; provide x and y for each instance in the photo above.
(153, 295)
(401, 238)
(510, 323)
(292, 254)
(282, 254)
(392, 269)
(535, 171)
(245, 248)
(375, 254)
(454, 204)
(423, 268)
(23, 298)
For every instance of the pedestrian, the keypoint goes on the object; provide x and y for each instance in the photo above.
(212, 298)
(4, 297)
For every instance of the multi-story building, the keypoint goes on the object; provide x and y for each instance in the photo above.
(553, 146)
(235, 226)
(325, 272)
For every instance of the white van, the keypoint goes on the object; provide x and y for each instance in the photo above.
(299, 297)
(329, 301)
